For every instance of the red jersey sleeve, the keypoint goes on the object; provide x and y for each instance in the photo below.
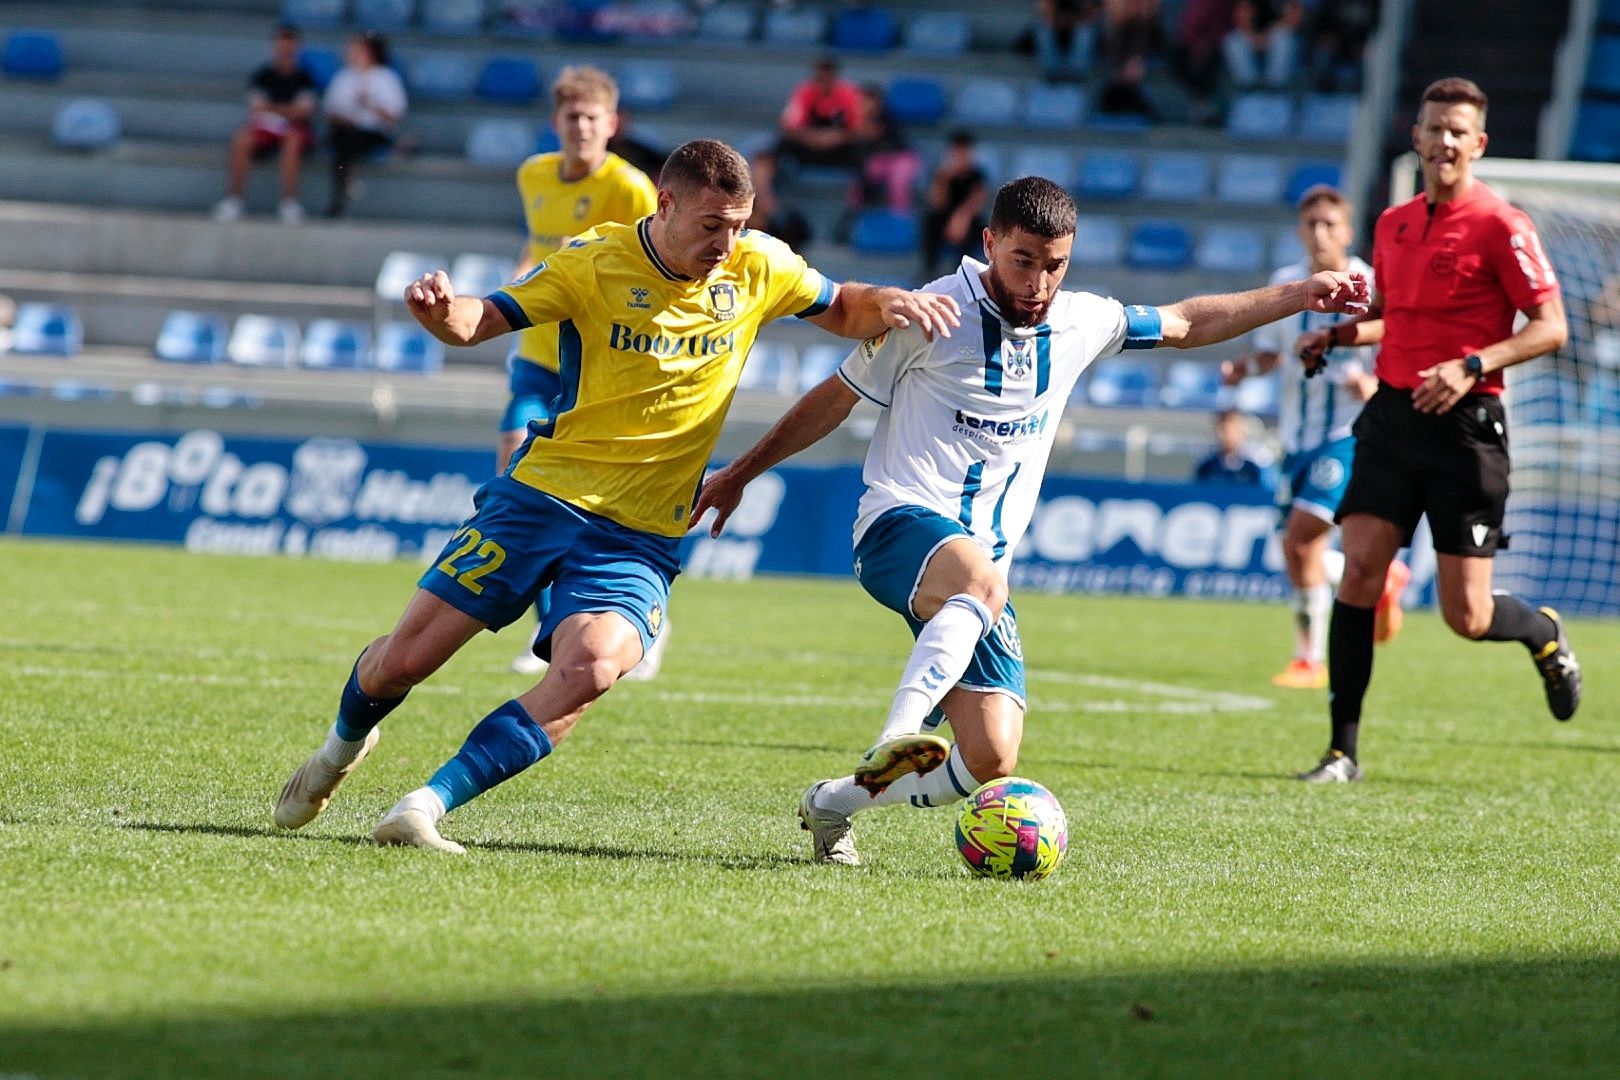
(797, 111)
(1521, 262)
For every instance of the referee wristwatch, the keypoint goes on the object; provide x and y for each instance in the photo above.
(1474, 366)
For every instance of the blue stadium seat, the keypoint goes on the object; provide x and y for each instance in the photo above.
(1249, 180)
(1597, 132)
(546, 141)
(1098, 241)
(1603, 69)
(1122, 382)
(512, 80)
(1286, 248)
(1176, 176)
(771, 368)
(32, 54)
(453, 16)
(817, 363)
(1327, 117)
(1310, 174)
(399, 269)
(321, 63)
(1257, 396)
(938, 33)
(1053, 105)
(385, 14)
(727, 24)
(1192, 384)
(865, 29)
(79, 390)
(1056, 164)
(189, 337)
(479, 275)
(1159, 245)
(884, 232)
(405, 348)
(440, 76)
(1231, 249)
(986, 103)
(803, 29)
(313, 14)
(85, 124)
(263, 341)
(916, 101)
(1119, 123)
(1609, 13)
(647, 85)
(47, 330)
(1108, 174)
(336, 345)
(503, 143)
(1261, 116)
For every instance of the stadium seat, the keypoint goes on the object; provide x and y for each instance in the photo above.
(1122, 382)
(1597, 132)
(336, 345)
(1249, 180)
(1231, 249)
(1176, 176)
(1119, 123)
(1603, 69)
(1098, 241)
(503, 143)
(385, 14)
(511, 80)
(1261, 116)
(771, 368)
(1053, 105)
(938, 33)
(480, 275)
(85, 124)
(263, 341)
(885, 232)
(986, 103)
(1192, 384)
(1286, 248)
(1327, 117)
(865, 29)
(189, 337)
(1056, 164)
(916, 101)
(587, 22)
(1159, 245)
(1257, 396)
(727, 24)
(817, 362)
(32, 54)
(441, 76)
(399, 269)
(79, 390)
(321, 63)
(647, 85)
(1107, 174)
(453, 16)
(313, 14)
(546, 141)
(1309, 175)
(1609, 13)
(406, 349)
(803, 29)
(47, 330)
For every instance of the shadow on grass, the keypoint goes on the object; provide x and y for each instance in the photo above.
(1393, 1019)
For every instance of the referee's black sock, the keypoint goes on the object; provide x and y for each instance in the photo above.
(1350, 662)
(1515, 620)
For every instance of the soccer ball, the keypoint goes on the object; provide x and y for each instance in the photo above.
(1012, 828)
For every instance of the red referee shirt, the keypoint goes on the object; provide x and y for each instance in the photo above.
(1453, 280)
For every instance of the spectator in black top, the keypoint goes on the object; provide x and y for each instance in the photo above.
(1231, 462)
(281, 103)
(953, 225)
(1130, 32)
(1338, 34)
(1063, 38)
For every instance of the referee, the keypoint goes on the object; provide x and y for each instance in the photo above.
(1453, 267)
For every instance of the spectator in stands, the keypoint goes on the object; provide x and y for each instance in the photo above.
(889, 167)
(957, 194)
(1232, 461)
(364, 106)
(772, 215)
(1063, 38)
(281, 104)
(1261, 47)
(1338, 34)
(1196, 54)
(1130, 33)
(819, 123)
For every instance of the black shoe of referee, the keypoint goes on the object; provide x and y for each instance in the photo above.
(1560, 671)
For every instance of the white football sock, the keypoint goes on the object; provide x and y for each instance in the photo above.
(424, 799)
(1333, 563)
(842, 796)
(338, 752)
(942, 653)
(945, 785)
(1313, 606)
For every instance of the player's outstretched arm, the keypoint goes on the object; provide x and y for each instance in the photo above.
(811, 419)
(1204, 320)
(862, 311)
(1364, 329)
(454, 320)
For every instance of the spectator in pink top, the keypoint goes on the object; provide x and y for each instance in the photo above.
(821, 122)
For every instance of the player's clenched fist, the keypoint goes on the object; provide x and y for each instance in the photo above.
(1334, 290)
(429, 297)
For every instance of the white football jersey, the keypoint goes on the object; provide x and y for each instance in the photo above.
(1320, 410)
(968, 421)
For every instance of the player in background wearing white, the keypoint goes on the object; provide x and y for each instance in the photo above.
(1313, 423)
(952, 475)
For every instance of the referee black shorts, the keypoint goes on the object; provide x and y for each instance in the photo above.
(1452, 466)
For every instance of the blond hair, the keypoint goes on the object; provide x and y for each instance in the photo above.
(584, 83)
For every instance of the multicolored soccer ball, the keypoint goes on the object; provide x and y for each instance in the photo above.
(1012, 828)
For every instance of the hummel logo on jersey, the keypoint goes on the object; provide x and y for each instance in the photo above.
(1029, 425)
(638, 298)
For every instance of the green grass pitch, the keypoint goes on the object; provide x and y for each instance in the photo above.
(642, 904)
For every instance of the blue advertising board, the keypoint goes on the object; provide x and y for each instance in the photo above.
(13, 447)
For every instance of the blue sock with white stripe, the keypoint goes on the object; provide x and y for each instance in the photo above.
(504, 743)
(942, 653)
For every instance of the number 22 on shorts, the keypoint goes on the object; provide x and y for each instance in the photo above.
(473, 543)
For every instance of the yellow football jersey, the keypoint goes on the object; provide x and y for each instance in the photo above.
(648, 361)
(558, 210)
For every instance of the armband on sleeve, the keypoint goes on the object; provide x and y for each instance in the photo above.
(1144, 329)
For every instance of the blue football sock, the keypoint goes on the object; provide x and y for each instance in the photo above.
(358, 711)
(504, 743)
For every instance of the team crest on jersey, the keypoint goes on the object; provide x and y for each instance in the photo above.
(1444, 261)
(1017, 357)
(582, 206)
(638, 298)
(655, 619)
(723, 299)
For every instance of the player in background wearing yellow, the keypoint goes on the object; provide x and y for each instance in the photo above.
(655, 320)
(564, 194)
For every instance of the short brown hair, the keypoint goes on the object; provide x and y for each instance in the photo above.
(1034, 204)
(1324, 193)
(580, 82)
(707, 163)
(1456, 91)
